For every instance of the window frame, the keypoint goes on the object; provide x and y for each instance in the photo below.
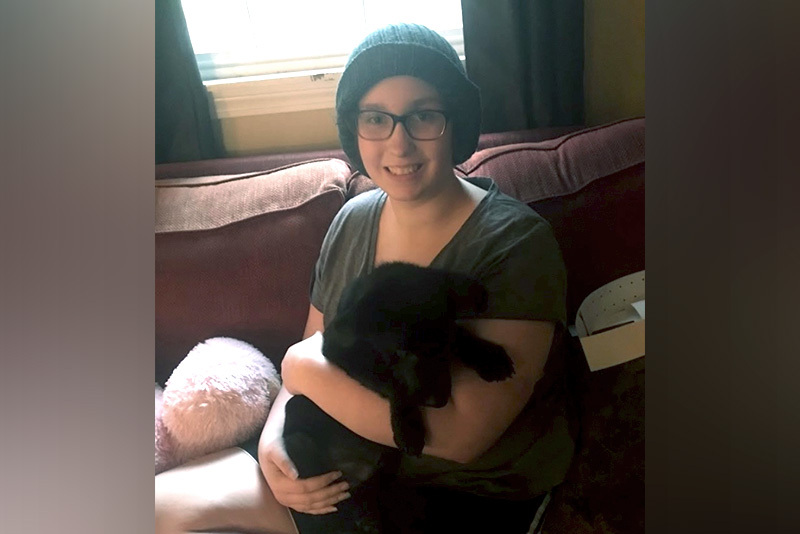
(242, 84)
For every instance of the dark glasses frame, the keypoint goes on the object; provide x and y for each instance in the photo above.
(402, 120)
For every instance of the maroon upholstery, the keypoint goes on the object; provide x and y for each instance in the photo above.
(241, 164)
(246, 278)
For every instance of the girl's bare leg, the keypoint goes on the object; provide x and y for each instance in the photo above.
(223, 492)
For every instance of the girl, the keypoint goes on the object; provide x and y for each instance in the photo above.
(406, 114)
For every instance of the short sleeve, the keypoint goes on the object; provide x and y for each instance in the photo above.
(512, 251)
(345, 252)
(528, 280)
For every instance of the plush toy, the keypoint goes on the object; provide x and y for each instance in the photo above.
(218, 396)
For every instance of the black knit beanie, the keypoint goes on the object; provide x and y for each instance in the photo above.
(410, 50)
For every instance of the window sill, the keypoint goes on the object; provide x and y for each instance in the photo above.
(266, 95)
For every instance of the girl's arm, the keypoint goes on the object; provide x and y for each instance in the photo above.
(315, 495)
(476, 415)
(274, 425)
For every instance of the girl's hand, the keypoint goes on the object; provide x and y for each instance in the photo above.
(316, 495)
(299, 360)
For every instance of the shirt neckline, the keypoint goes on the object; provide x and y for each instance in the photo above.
(486, 184)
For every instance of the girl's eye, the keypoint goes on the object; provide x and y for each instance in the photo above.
(425, 116)
(373, 118)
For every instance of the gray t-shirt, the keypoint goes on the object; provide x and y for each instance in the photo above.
(503, 243)
(511, 250)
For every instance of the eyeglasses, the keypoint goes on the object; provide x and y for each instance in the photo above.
(422, 125)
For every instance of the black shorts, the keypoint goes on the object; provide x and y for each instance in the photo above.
(251, 446)
(423, 510)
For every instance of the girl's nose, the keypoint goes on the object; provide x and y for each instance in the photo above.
(400, 141)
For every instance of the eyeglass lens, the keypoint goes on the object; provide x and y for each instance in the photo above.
(420, 125)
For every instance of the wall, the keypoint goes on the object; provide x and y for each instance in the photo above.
(614, 70)
(280, 132)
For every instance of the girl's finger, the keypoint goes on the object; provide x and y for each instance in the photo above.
(320, 499)
(282, 461)
(312, 484)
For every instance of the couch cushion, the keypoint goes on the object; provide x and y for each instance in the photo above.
(590, 186)
(234, 256)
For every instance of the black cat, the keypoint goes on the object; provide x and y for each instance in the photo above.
(395, 332)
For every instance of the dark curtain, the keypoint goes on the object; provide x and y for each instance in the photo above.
(527, 58)
(185, 126)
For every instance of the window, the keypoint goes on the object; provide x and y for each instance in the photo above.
(241, 38)
(259, 57)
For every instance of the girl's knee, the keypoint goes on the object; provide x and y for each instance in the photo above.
(221, 490)
(170, 511)
(181, 504)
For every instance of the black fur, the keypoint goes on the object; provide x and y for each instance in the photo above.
(395, 332)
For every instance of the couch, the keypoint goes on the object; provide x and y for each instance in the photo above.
(236, 240)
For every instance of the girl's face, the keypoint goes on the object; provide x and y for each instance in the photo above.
(405, 168)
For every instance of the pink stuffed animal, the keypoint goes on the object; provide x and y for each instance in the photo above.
(218, 396)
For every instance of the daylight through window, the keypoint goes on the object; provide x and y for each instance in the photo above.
(240, 38)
